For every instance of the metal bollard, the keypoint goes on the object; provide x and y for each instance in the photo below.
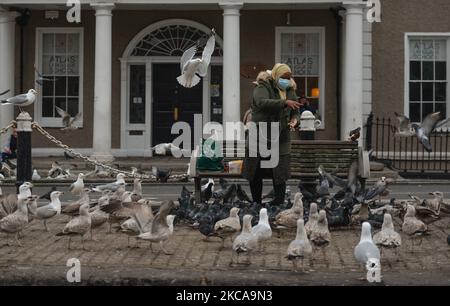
(24, 168)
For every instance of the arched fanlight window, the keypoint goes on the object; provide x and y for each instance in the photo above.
(172, 40)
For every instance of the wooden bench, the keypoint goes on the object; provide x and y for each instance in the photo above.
(306, 156)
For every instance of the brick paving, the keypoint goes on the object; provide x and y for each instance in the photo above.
(43, 257)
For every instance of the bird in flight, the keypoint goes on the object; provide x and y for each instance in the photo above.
(68, 122)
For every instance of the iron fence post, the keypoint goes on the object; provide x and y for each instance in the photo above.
(369, 125)
(24, 168)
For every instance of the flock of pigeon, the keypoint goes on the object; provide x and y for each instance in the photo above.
(227, 212)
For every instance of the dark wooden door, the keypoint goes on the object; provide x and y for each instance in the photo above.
(172, 102)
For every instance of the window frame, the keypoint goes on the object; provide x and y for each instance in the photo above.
(40, 31)
(322, 65)
(427, 35)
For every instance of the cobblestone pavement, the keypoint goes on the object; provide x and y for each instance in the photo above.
(43, 258)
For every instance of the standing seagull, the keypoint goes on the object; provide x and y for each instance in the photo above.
(78, 226)
(15, 222)
(50, 210)
(262, 230)
(69, 124)
(21, 100)
(78, 185)
(300, 247)
(388, 237)
(191, 66)
(366, 252)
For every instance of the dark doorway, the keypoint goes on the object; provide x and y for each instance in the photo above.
(172, 102)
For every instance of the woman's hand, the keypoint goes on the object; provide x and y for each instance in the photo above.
(293, 124)
(293, 104)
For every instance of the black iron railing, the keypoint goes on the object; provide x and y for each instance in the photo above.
(407, 154)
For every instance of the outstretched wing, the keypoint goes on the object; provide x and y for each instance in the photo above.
(187, 56)
(76, 118)
(403, 121)
(206, 55)
(430, 121)
(65, 115)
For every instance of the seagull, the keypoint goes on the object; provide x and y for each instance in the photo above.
(120, 180)
(366, 252)
(40, 78)
(404, 128)
(137, 190)
(35, 176)
(78, 226)
(8, 202)
(78, 186)
(228, 226)
(424, 129)
(300, 247)
(69, 124)
(320, 234)
(413, 226)
(165, 149)
(73, 208)
(50, 210)
(262, 230)
(289, 217)
(21, 100)
(387, 237)
(245, 242)
(190, 66)
(32, 207)
(15, 222)
(312, 219)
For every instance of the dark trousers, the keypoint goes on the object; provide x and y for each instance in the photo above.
(256, 187)
(6, 156)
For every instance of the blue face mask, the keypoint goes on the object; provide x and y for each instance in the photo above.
(283, 84)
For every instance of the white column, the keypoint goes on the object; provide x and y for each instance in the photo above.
(102, 85)
(231, 61)
(352, 82)
(7, 51)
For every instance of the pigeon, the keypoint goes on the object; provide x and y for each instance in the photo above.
(35, 176)
(379, 189)
(404, 128)
(15, 222)
(46, 196)
(161, 175)
(242, 195)
(207, 191)
(246, 241)
(424, 129)
(4, 92)
(387, 237)
(300, 247)
(366, 252)
(78, 226)
(262, 230)
(21, 100)
(78, 186)
(190, 66)
(355, 134)
(40, 78)
(69, 124)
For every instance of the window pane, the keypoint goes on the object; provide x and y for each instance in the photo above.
(73, 65)
(137, 94)
(72, 106)
(312, 82)
(47, 107)
(61, 103)
(428, 70)
(60, 43)
(427, 92)
(47, 88)
(313, 65)
(441, 70)
(427, 108)
(440, 92)
(73, 86)
(299, 64)
(73, 43)
(414, 91)
(427, 49)
(441, 107)
(301, 86)
(299, 44)
(286, 58)
(286, 43)
(440, 47)
(48, 43)
(60, 86)
(216, 93)
(414, 112)
(415, 51)
(313, 43)
(415, 72)
(47, 64)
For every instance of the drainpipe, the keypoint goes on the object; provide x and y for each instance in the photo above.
(338, 19)
(22, 21)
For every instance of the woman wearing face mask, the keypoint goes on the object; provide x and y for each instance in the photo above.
(274, 100)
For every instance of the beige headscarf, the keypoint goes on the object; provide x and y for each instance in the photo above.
(277, 71)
